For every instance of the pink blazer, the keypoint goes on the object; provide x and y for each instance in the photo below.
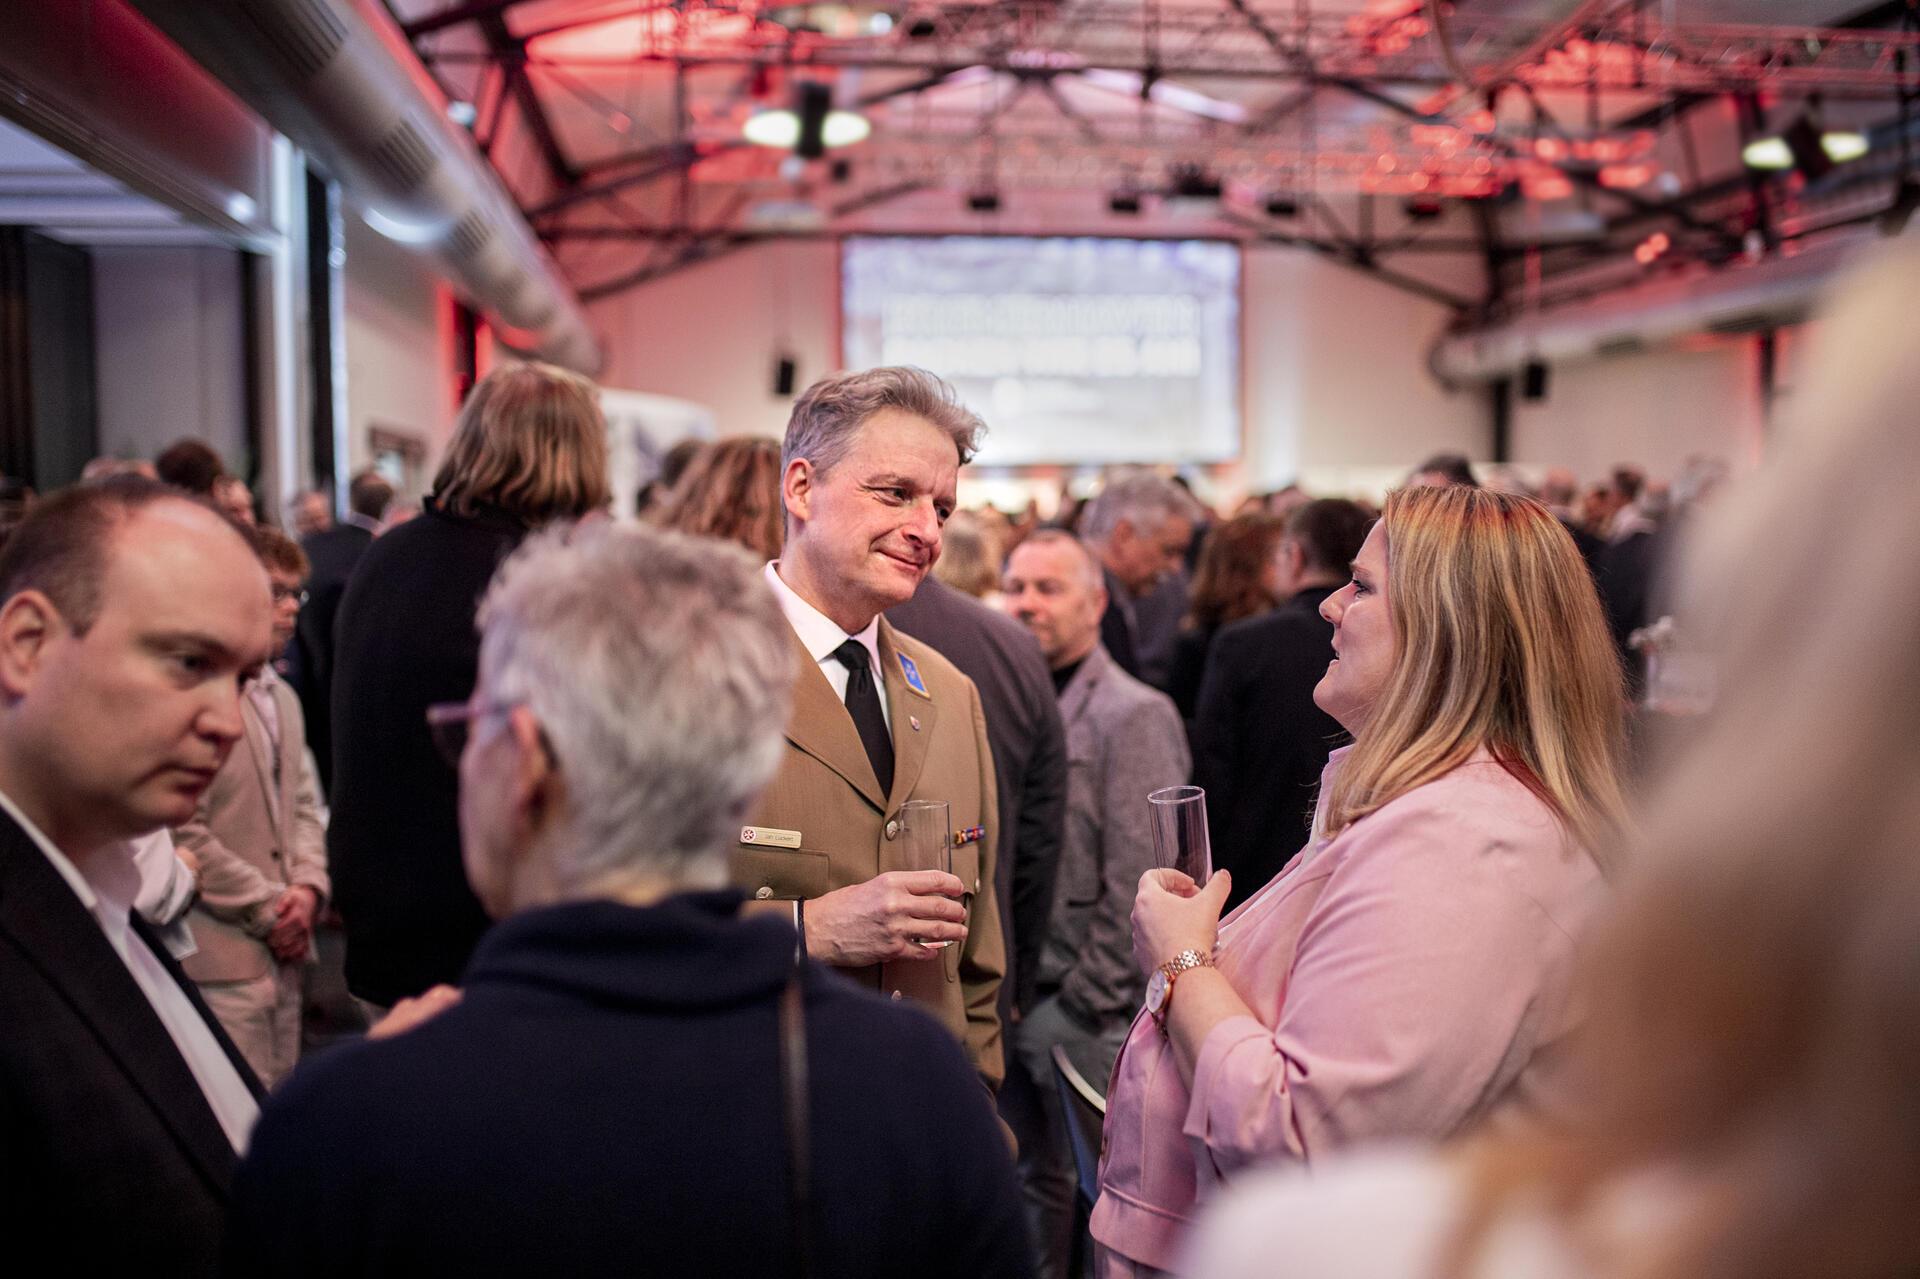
(1406, 979)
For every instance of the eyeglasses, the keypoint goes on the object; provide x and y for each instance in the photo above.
(281, 594)
(447, 725)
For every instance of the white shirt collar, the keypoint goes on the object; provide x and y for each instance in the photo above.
(820, 634)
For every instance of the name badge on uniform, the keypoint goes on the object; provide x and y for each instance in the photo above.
(769, 837)
(912, 673)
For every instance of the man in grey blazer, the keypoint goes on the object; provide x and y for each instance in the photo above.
(262, 850)
(1124, 740)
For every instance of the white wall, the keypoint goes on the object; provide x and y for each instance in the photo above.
(1334, 370)
(1654, 409)
(710, 333)
(399, 339)
(169, 346)
(1337, 384)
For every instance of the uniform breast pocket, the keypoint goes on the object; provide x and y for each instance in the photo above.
(780, 874)
(966, 868)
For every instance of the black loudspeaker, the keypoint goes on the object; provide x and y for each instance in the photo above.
(1533, 380)
(811, 102)
(784, 372)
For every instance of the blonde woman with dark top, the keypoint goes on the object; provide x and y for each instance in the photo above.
(1407, 976)
(1752, 1061)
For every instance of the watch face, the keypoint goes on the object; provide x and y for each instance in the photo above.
(1156, 991)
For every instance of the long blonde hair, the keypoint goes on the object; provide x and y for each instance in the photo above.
(1500, 643)
(529, 441)
(1756, 1001)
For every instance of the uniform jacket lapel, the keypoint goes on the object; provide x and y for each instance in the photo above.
(61, 939)
(904, 706)
(821, 726)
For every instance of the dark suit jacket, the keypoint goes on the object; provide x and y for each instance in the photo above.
(110, 1157)
(331, 556)
(1117, 627)
(405, 640)
(1029, 748)
(1259, 742)
(605, 1099)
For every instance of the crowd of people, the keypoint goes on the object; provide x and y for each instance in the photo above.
(732, 890)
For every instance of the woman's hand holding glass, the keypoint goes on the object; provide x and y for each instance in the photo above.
(1171, 913)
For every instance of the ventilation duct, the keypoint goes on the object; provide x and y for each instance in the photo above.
(339, 78)
(1771, 294)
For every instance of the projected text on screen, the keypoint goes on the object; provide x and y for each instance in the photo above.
(1078, 351)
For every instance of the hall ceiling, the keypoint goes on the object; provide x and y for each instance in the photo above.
(1476, 152)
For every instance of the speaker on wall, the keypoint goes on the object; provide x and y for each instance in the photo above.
(785, 369)
(1533, 380)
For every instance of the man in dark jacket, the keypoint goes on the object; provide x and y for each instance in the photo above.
(1029, 748)
(332, 553)
(529, 447)
(1259, 742)
(611, 1092)
(130, 615)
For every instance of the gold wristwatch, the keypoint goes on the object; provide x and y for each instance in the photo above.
(1160, 984)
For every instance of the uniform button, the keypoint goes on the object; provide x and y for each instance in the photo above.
(763, 892)
(896, 994)
(893, 828)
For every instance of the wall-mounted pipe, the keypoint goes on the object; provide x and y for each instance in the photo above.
(339, 78)
(1780, 291)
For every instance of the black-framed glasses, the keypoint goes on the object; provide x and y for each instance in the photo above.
(281, 594)
(447, 724)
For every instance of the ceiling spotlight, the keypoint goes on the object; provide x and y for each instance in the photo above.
(1280, 205)
(810, 127)
(986, 200)
(462, 113)
(1424, 208)
(1767, 153)
(1192, 191)
(1124, 200)
(780, 128)
(1842, 145)
(1807, 147)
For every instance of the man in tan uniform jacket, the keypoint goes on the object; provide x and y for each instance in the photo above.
(869, 467)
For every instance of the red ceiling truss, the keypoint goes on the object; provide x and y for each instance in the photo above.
(1367, 131)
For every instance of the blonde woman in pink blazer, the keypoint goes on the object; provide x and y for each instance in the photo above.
(1407, 975)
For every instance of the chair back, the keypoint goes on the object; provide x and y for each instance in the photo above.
(1086, 1112)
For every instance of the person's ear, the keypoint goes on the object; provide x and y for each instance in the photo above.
(28, 624)
(535, 778)
(796, 488)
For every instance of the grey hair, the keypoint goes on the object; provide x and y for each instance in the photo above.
(1144, 499)
(660, 670)
(826, 416)
(1093, 574)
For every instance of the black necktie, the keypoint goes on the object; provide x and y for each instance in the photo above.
(863, 703)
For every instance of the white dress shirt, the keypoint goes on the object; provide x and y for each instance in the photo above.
(108, 896)
(820, 635)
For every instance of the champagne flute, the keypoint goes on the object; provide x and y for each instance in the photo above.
(926, 826)
(1180, 841)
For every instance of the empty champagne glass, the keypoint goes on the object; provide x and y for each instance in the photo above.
(1180, 831)
(926, 828)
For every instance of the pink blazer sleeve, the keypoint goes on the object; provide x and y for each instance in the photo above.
(1424, 976)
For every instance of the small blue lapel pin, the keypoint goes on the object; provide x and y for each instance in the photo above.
(912, 673)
